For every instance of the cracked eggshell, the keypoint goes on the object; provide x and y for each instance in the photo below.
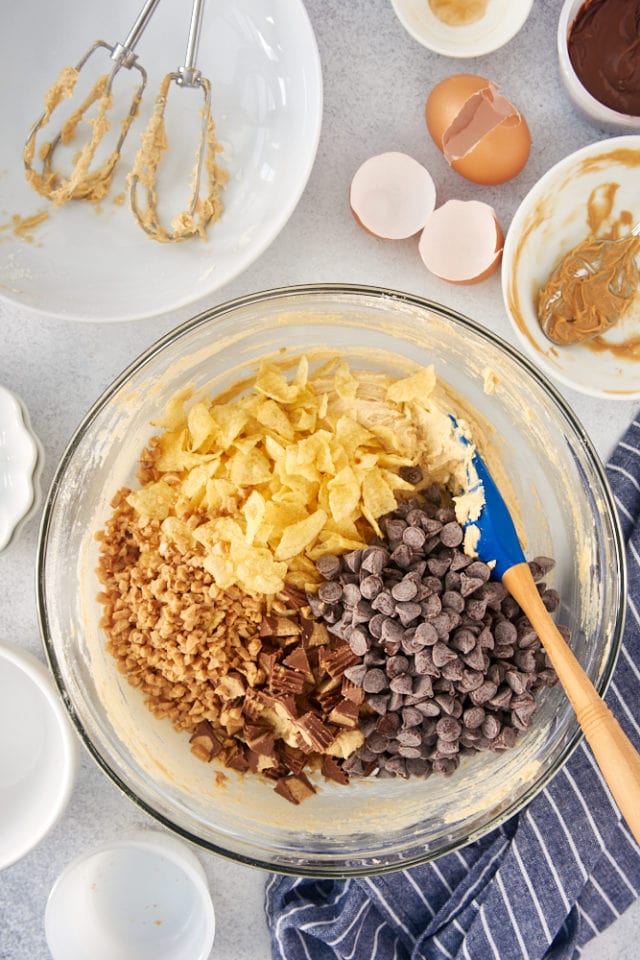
(462, 242)
(482, 135)
(392, 195)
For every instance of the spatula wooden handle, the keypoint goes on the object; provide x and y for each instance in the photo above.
(616, 756)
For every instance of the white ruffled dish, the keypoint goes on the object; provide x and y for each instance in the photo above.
(20, 461)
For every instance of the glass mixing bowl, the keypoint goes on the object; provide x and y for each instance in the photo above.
(565, 506)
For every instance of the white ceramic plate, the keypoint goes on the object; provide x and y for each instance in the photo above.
(38, 754)
(551, 220)
(500, 22)
(95, 263)
(20, 461)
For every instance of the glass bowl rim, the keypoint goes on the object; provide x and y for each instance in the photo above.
(290, 292)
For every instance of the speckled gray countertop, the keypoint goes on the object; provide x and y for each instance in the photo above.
(376, 80)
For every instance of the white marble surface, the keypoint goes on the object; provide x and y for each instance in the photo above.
(376, 81)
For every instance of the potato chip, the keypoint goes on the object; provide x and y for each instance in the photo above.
(230, 420)
(344, 495)
(272, 383)
(219, 491)
(201, 425)
(154, 500)
(174, 417)
(249, 469)
(352, 435)
(345, 384)
(377, 498)
(178, 533)
(279, 516)
(301, 376)
(273, 417)
(194, 485)
(254, 511)
(334, 543)
(418, 386)
(296, 538)
(273, 449)
(305, 419)
(174, 455)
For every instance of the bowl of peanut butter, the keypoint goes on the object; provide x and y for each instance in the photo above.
(570, 270)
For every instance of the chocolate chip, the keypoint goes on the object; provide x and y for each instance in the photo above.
(359, 641)
(371, 586)
(411, 475)
(375, 559)
(402, 556)
(469, 585)
(551, 600)
(402, 683)
(408, 612)
(328, 566)
(391, 630)
(414, 537)
(484, 693)
(491, 726)
(330, 592)
(451, 534)
(351, 594)
(448, 728)
(374, 681)
(352, 560)
(384, 603)
(422, 687)
(405, 590)
(473, 717)
(388, 725)
(397, 665)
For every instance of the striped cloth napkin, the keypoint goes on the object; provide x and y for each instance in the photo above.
(540, 886)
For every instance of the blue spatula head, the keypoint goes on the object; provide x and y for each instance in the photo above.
(498, 542)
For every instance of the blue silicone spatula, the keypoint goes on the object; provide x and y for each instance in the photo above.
(614, 753)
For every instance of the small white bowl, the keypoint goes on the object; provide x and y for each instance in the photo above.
(599, 114)
(144, 897)
(20, 464)
(38, 754)
(499, 24)
(550, 221)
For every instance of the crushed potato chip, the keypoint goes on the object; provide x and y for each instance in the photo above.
(291, 470)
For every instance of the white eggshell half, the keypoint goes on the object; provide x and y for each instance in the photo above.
(392, 196)
(462, 241)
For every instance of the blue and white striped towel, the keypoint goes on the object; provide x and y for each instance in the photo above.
(540, 886)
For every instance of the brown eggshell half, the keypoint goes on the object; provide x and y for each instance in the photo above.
(482, 135)
(462, 242)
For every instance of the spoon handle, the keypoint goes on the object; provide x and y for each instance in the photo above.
(617, 758)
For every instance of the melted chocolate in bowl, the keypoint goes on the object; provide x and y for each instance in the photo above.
(604, 49)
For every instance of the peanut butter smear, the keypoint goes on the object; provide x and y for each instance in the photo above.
(207, 209)
(604, 49)
(457, 13)
(590, 289)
